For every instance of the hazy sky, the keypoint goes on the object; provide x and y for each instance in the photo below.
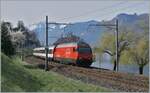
(68, 11)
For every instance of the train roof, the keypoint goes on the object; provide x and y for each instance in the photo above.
(67, 44)
(70, 44)
(73, 44)
(43, 48)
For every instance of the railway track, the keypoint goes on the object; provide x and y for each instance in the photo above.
(116, 81)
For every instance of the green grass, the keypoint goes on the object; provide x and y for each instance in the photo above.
(18, 76)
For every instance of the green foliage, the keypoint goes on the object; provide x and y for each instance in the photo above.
(140, 46)
(6, 43)
(140, 52)
(133, 45)
(23, 38)
(107, 42)
(126, 58)
(19, 76)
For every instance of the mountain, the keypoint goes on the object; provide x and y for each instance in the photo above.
(91, 34)
(131, 21)
(82, 29)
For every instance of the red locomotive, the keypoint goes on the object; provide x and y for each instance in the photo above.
(79, 53)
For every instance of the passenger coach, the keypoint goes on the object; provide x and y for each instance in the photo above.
(40, 52)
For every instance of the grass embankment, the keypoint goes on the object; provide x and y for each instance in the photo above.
(18, 76)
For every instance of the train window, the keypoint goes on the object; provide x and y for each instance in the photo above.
(39, 51)
(43, 51)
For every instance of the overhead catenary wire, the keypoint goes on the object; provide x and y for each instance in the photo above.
(97, 10)
(93, 11)
(85, 13)
(102, 14)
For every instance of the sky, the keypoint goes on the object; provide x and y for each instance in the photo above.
(34, 11)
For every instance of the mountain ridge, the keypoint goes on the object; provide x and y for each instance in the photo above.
(91, 34)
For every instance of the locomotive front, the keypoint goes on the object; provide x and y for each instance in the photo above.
(84, 54)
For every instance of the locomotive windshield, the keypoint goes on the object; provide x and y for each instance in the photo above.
(84, 50)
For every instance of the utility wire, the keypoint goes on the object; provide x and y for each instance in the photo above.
(86, 13)
(93, 11)
(123, 8)
(105, 14)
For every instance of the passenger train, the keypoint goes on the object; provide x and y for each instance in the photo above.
(78, 53)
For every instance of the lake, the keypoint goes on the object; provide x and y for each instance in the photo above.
(105, 62)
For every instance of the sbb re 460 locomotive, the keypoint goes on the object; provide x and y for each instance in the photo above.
(78, 53)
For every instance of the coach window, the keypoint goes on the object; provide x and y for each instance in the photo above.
(42, 51)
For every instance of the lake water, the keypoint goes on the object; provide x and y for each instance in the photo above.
(105, 62)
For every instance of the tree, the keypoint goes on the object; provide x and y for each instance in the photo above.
(22, 37)
(140, 46)
(107, 45)
(140, 53)
(6, 44)
(31, 39)
(18, 39)
(21, 26)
